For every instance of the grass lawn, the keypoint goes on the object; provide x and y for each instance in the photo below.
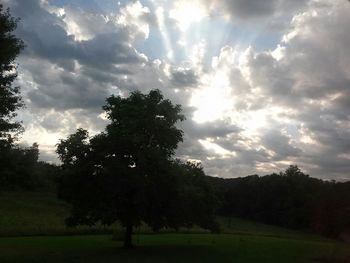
(172, 248)
(243, 241)
(36, 213)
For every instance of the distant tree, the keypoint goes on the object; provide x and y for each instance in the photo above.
(18, 167)
(285, 199)
(10, 99)
(293, 170)
(44, 176)
(128, 173)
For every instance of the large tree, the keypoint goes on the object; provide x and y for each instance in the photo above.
(10, 99)
(128, 173)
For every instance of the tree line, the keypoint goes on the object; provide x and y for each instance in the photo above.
(290, 199)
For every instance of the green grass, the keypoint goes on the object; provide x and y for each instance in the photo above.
(246, 227)
(36, 213)
(171, 248)
(241, 241)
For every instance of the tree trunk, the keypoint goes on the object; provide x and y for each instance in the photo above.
(128, 236)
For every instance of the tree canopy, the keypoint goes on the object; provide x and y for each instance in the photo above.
(128, 172)
(10, 99)
(16, 163)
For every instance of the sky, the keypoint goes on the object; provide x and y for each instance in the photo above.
(263, 84)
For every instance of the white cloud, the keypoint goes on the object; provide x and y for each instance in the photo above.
(137, 18)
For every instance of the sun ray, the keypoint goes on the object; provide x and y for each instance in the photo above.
(164, 32)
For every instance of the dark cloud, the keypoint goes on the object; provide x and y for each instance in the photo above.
(256, 9)
(42, 32)
(280, 144)
(45, 36)
(249, 8)
(209, 129)
(182, 77)
(69, 73)
(106, 49)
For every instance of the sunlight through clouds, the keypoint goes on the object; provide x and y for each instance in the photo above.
(164, 32)
(187, 12)
(212, 102)
(212, 147)
(263, 79)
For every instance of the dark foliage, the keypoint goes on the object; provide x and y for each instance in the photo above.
(291, 199)
(127, 173)
(10, 99)
(20, 170)
(17, 165)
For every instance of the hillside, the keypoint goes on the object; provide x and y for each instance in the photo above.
(37, 213)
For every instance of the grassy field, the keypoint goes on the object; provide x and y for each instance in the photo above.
(36, 213)
(241, 241)
(171, 248)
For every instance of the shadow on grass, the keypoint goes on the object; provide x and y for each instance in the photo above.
(111, 253)
(330, 260)
(159, 253)
(170, 248)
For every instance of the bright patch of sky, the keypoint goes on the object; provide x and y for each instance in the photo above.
(193, 25)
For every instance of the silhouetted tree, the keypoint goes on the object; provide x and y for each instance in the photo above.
(10, 99)
(127, 173)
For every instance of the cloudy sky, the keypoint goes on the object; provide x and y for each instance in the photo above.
(263, 84)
